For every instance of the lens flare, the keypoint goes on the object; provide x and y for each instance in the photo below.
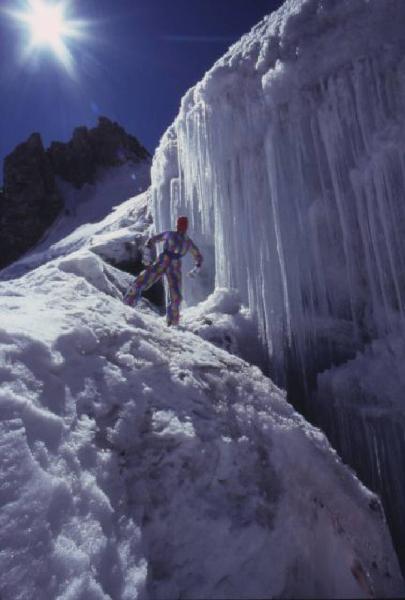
(49, 28)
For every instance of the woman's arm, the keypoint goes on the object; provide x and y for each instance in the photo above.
(196, 254)
(155, 239)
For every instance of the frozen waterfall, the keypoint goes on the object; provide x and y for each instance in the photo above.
(289, 159)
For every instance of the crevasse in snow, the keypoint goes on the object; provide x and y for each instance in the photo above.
(289, 159)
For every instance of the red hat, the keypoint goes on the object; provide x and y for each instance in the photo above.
(182, 224)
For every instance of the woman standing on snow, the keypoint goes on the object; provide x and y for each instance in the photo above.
(176, 244)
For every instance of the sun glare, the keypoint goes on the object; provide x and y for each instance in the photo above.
(48, 28)
(46, 23)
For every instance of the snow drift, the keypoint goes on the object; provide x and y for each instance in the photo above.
(289, 159)
(142, 462)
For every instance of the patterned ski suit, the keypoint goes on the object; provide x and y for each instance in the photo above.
(175, 246)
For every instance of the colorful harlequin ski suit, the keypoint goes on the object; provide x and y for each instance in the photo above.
(175, 246)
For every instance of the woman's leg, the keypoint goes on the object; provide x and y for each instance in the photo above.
(173, 275)
(146, 279)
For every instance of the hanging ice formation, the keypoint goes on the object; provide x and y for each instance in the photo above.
(289, 158)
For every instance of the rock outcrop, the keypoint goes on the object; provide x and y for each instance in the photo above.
(30, 200)
(106, 145)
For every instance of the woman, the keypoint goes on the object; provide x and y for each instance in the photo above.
(176, 244)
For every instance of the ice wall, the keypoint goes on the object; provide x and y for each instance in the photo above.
(289, 159)
(292, 167)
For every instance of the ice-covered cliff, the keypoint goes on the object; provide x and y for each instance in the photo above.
(289, 159)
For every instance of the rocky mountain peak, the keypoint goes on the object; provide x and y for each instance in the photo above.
(30, 200)
(106, 145)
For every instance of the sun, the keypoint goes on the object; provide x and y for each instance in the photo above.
(48, 27)
(47, 24)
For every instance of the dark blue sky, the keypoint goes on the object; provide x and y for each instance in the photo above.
(139, 58)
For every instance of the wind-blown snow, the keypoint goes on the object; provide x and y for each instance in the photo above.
(288, 158)
(140, 461)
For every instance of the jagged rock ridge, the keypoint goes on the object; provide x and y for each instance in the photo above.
(31, 201)
(106, 145)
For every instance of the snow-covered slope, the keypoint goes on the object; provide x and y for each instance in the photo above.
(289, 159)
(142, 462)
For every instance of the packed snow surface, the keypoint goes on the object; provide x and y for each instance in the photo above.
(140, 461)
